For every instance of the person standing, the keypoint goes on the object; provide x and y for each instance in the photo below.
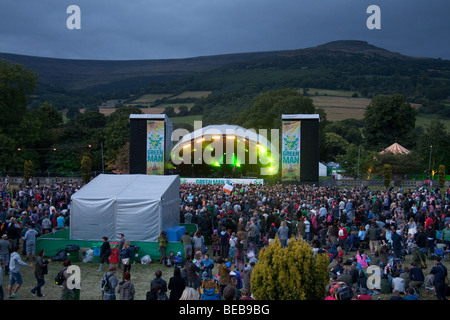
(162, 245)
(283, 234)
(374, 238)
(191, 272)
(160, 281)
(126, 288)
(224, 274)
(5, 248)
(187, 243)
(120, 247)
(445, 235)
(109, 290)
(46, 225)
(30, 241)
(440, 274)
(224, 243)
(126, 256)
(176, 285)
(342, 236)
(13, 232)
(240, 255)
(15, 276)
(397, 244)
(105, 252)
(197, 241)
(418, 256)
(416, 276)
(40, 270)
(66, 293)
(60, 221)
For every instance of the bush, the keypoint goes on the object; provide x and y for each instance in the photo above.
(86, 165)
(387, 175)
(290, 273)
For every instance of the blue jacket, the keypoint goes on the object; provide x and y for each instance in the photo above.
(440, 273)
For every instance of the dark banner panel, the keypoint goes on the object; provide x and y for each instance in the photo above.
(309, 151)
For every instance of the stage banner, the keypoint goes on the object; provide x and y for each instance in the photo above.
(224, 181)
(155, 147)
(290, 147)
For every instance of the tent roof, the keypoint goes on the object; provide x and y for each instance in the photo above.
(395, 148)
(138, 186)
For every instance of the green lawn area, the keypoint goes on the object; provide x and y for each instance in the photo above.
(141, 276)
(327, 92)
(424, 120)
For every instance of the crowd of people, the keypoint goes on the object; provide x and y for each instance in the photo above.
(357, 228)
(27, 211)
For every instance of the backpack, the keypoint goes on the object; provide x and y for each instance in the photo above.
(104, 284)
(340, 291)
(59, 279)
(330, 218)
(341, 233)
(209, 289)
(61, 255)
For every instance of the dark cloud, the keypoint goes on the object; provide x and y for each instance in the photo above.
(158, 29)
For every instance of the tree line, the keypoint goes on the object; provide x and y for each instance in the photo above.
(54, 142)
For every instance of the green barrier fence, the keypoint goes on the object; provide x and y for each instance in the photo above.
(53, 242)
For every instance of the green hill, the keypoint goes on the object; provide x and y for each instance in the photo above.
(69, 74)
(234, 80)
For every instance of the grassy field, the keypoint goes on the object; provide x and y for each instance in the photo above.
(141, 276)
(193, 94)
(150, 98)
(338, 104)
(153, 97)
(425, 119)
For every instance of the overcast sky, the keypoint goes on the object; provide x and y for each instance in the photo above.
(165, 29)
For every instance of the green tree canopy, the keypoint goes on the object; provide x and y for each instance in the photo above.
(335, 145)
(437, 139)
(268, 107)
(388, 118)
(16, 82)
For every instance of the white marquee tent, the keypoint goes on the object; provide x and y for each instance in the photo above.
(140, 206)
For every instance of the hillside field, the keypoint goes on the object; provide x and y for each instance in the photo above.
(338, 105)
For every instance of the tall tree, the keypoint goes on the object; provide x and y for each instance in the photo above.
(268, 107)
(266, 111)
(433, 145)
(86, 167)
(16, 83)
(388, 118)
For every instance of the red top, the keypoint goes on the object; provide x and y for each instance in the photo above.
(345, 235)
